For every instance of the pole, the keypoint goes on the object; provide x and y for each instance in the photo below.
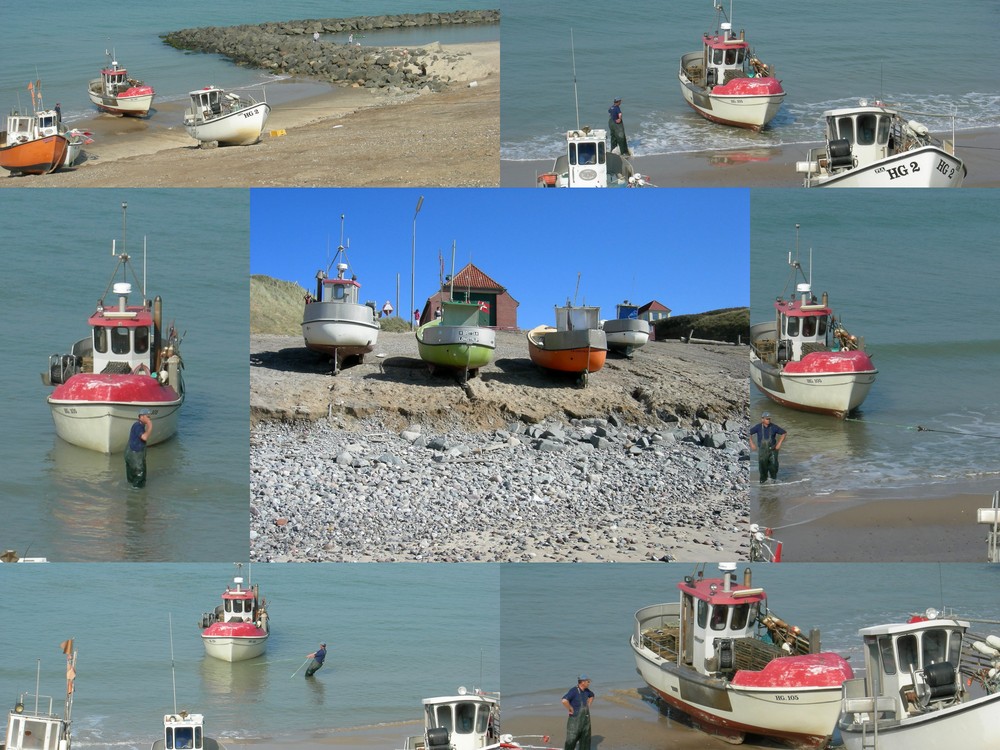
(413, 261)
(303, 664)
(397, 295)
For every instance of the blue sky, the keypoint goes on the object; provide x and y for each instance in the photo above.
(686, 248)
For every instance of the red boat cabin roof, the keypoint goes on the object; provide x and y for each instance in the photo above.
(344, 282)
(719, 41)
(241, 594)
(711, 590)
(796, 309)
(112, 317)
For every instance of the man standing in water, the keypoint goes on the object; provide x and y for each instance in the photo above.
(769, 439)
(577, 701)
(318, 657)
(616, 128)
(135, 451)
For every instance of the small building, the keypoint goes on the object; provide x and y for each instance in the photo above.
(497, 308)
(654, 311)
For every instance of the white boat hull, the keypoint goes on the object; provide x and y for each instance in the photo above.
(240, 128)
(969, 726)
(926, 167)
(625, 335)
(831, 393)
(803, 717)
(129, 105)
(104, 427)
(739, 110)
(331, 326)
(234, 649)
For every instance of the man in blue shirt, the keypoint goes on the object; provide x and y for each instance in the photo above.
(577, 701)
(616, 129)
(769, 439)
(135, 451)
(317, 656)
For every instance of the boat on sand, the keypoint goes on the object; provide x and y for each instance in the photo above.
(456, 341)
(114, 92)
(720, 656)
(576, 345)
(228, 119)
(628, 331)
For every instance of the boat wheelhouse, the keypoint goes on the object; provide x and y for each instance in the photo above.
(185, 731)
(466, 721)
(587, 163)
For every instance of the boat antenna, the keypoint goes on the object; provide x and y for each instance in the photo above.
(341, 248)
(38, 679)
(481, 667)
(451, 292)
(576, 97)
(173, 673)
(577, 292)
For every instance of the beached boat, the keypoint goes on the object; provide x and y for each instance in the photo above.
(38, 142)
(456, 341)
(228, 119)
(723, 659)
(334, 322)
(805, 359)
(238, 628)
(628, 331)
(917, 688)
(576, 345)
(587, 163)
(872, 145)
(466, 721)
(32, 723)
(118, 94)
(128, 363)
(726, 82)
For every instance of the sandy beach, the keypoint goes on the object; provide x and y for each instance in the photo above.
(761, 167)
(349, 137)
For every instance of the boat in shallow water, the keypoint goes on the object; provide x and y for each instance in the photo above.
(917, 691)
(334, 322)
(114, 92)
(805, 359)
(456, 341)
(725, 82)
(721, 657)
(128, 363)
(872, 145)
(239, 627)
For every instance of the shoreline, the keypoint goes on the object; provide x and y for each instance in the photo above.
(344, 136)
(762, 167)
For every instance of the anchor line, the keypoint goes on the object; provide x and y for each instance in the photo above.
(921, 428)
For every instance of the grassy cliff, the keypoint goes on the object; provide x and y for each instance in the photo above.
(731, 324)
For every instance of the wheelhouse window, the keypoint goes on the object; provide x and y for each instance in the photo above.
(867, 128)
(845, 128)
(720, 616)
(338, 291)
(142, 339)
(741, 613)
(465, 718)
(906, 647)
(791, 326)
(119, 340)
(702, 613)
(809, 327)
(587, 153)
(730, 57)
(100, 339)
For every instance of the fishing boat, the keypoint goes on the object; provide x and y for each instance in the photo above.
(226, 118)
(804, 358)
(726, 82)
(587, 163)
(576, 345)
(456, 341)
(722, 658)
(238, 628)
(917, 690)
(334, 322)
(628, 331)
(127, 364)
(185, 731)
(37, 142)
(33, 724)
(873, 145)
(116, 93)
(466, 721)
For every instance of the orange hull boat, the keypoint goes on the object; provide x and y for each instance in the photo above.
(40, 156)
(545, 347)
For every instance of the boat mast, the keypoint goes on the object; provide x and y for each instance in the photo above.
(451, 293)
(576, 98)
(173, 673)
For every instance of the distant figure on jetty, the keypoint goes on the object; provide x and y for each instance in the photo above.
(616, 129)
(315, 36)
(577, 701)
(350, 38)
(769, 440)
(318, 657)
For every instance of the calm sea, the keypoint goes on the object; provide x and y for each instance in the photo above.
(66, 503)
(77, 35)
(914, 273)
(396, 634)
(826, 57)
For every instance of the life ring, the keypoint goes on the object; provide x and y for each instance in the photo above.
(141, 369)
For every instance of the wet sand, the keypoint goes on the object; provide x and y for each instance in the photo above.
(343, 136)
(761, 167)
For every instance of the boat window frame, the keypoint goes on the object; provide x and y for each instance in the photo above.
(717, 622)
(840, 129)
(702, 614)
(866, 127)
(120, 337)
(791, 326)
(141, 340)
(740, 616)
(100, 339)
(464, 711)
(884, 129)
(887, 655)
(907, 652)
(934, 646)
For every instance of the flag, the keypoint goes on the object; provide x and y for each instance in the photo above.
(484, 306)
(67, 647)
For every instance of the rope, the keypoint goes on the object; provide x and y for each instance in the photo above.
(921, 428)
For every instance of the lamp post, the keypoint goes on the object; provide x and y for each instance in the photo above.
(413, 258)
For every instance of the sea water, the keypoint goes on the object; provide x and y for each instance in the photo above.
(396, 634)
(913, 273)
(63, 502)
(63, 45)
(826, 57)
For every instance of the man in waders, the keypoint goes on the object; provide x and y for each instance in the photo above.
(318, 657)
(577, 701)
(616, 128)
(769, 440)
(135, 452)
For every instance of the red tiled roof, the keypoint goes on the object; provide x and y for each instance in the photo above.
(654, 305)
(471, 277)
